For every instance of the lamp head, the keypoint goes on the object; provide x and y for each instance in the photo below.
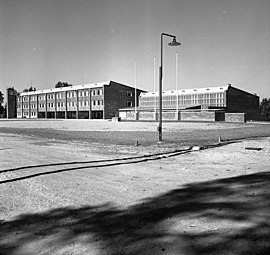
(174, 42)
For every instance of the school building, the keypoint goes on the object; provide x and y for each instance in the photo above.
(86, 101)
(209, 104)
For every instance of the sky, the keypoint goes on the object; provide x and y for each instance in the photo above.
(88, 41)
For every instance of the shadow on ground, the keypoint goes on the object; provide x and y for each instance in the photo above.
(225, 216)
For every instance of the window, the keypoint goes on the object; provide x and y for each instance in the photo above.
(128, 103)
(129, 93)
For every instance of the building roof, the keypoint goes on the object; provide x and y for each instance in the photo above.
(187, 91)
(73, 87)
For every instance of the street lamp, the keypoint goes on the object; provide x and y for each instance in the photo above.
(172, 43)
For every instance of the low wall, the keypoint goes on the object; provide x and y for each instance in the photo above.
(146, 116)
(169, 115)
(235, 117)
(198, 116)
(130, 115)
(155, 116)
(172, 116)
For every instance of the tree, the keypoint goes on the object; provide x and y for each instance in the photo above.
(62, 84)
(265, 109)
(2, 109)
(30, 89)
(1, 97)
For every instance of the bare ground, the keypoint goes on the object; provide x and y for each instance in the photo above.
(72, 197)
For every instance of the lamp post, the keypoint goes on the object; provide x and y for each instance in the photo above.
(173, 43)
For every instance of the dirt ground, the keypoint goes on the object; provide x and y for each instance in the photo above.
(68, 197)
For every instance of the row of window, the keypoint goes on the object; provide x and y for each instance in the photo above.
(70, 94)
(171, 101)
(62, 104)
(184, 97)
(25, 114)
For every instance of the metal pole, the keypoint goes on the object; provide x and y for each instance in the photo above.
(160, 92)
(135, 81)
(176, 82)
(173, 43)
(155, 100)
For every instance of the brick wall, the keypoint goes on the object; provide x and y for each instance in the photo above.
(244, 102)
(219, 116)
(235, 117)
(11, 103)
(116, 96)
(130, 115)
(198, 116)
(169, 115)
(146, 115)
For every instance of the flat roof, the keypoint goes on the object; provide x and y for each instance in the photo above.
(69, 88)
(187, 91)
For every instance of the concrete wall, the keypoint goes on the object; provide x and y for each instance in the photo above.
(235, 117)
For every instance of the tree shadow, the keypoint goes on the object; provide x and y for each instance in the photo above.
(225, 216)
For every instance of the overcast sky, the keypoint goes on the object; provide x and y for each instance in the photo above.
(87, 41)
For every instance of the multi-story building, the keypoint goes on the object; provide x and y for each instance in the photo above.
(227, 98)
(85, 101)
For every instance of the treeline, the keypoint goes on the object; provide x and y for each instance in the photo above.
(265, 109)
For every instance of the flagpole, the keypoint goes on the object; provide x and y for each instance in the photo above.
(155, 102)
(135, 82)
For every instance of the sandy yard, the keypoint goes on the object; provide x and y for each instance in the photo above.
(107, 125)
(62, 197)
